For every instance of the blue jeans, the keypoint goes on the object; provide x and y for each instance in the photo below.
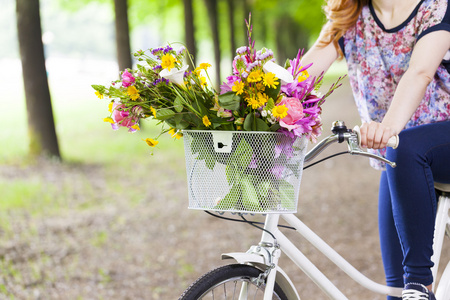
(407, 202)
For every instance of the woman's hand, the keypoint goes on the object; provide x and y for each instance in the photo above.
(375, 135)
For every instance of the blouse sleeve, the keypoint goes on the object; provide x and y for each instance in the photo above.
(433, 16)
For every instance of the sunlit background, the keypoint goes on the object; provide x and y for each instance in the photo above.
(79, 43)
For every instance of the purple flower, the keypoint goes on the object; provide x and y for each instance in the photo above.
(277, 170)
(284, 148)
(167, 49)
(242, 50)
(253, 163)
(181, 50)
(155, 51)
(262, 56)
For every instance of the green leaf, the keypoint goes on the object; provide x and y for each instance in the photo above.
(238, 162)
(286, 194)
(270, 104)
(200, 108)
(248, 122)
(251, 123)
(100, 88)
(249, 195)
(230, 200)
(207, 155)
(230, 101)
(192, 118)
(178, 104)
(274, 127)
(178, 121)
(273, 93)
(263, 188)
(164, 113)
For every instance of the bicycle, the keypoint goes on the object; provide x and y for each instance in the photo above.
(257, 274)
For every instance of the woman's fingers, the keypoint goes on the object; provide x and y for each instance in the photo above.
(375, 135)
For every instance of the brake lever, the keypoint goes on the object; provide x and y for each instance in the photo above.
(354, 148)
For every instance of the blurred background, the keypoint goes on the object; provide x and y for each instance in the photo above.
(90, 213)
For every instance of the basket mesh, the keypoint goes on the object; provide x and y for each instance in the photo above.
(252, 172)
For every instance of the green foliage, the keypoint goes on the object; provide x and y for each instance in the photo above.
(307, 13)
(230, 101)
(252, 123)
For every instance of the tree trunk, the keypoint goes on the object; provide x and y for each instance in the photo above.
(290, 38)
(231, 23)
(122, 35)
(211, 6)
(189, 31)
(41, 126)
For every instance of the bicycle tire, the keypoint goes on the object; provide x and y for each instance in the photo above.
(214, 284)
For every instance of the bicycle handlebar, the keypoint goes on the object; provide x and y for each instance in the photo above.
(352, 137)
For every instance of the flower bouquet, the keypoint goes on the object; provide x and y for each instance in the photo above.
(245, 143)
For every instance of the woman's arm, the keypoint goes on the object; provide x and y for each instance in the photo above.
(321, 57)
(425, 59)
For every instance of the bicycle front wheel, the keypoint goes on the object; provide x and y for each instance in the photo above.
(230, 282)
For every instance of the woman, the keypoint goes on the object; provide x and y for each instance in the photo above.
(395, 52)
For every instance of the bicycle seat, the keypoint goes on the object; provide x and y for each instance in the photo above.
(443, 187)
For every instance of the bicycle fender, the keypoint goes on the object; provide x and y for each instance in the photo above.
(443, 289)
(258, 261)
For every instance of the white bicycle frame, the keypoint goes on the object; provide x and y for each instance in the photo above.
(265, 255)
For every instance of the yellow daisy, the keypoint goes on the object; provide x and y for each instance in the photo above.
(153, 111)
(151, 142)
(109, 120)
(303, 76)
(168, 61)
(262, 99)
(255, 76)
(206, 121)
(197, 71)
(99, 95)
(270, 80)
(172, 132)
(204, 66)
(203, 81)
(238, 87)
(253, 102)
(133, 92)
(280, 111)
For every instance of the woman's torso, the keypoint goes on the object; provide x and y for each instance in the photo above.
(378, 57)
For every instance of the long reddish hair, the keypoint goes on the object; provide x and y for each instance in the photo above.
(341, 14)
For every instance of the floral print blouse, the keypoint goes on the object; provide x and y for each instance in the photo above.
(378, 57)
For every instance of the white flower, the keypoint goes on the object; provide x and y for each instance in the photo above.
(174, 75)
(264, 113)
(317, 94)
(279, 71)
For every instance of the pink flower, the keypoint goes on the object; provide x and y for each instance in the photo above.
(294, 113)
(127, 79)
(121, 117)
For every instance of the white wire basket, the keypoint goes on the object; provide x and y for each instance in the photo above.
(242, 171)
